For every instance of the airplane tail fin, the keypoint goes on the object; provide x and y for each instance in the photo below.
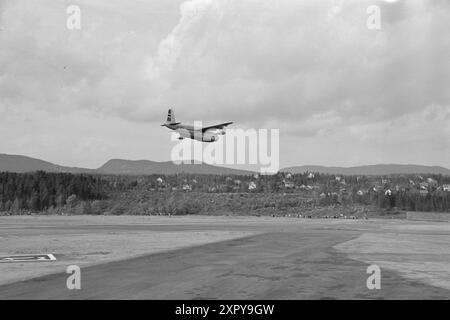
(170, 118)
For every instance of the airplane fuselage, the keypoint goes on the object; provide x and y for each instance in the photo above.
(205, 134)
(188, 131)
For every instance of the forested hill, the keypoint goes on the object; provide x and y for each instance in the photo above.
(378, 169)
(21, 164)
(41, 190)
(67, 193)
(142, 167)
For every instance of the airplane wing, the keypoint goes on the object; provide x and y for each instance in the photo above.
(217, 126)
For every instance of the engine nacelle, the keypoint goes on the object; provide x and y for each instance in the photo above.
(209, 136)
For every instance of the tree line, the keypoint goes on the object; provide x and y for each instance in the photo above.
(95, 194)
(40, 190)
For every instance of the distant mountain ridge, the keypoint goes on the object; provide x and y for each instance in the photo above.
(377, 169)
(140, 167)
(21, 164)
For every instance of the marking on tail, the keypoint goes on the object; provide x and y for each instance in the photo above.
(170, 116)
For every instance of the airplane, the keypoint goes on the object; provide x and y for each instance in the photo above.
(205, 134)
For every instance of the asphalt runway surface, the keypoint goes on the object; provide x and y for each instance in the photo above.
(291, 260)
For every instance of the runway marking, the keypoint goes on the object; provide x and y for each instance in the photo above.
(28, 258)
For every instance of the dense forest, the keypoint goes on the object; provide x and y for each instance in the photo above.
(40, 190)
(65, 193)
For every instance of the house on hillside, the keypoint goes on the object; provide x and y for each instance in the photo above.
(288, 184)
(160, 184)
(423, 185)
(187, 187)
(251, 186)
(377, 188)
(446, 187)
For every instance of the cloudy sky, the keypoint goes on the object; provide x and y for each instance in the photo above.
(340, 93)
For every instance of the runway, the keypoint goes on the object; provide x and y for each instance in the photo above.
(279, 260)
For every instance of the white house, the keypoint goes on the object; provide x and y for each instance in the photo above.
(423, 185)
(288, 184)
